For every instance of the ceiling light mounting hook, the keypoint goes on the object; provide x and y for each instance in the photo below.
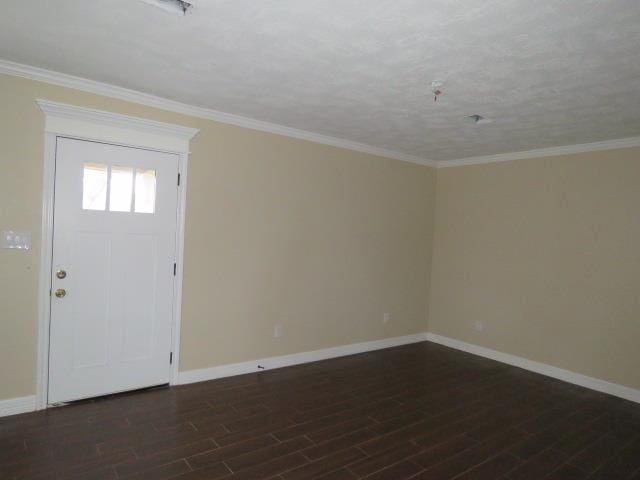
(436, 89)
(185, 6)
(179, 7)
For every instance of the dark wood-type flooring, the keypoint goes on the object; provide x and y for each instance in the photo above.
(421, 411)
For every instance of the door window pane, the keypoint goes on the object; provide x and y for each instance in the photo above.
(145, 193)
(121, 189)
(94, 186)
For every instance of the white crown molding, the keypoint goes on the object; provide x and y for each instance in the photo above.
(543, 152)
(99, 88)
(87, 123)
(204, 374)
(14, 406)
(592, 383)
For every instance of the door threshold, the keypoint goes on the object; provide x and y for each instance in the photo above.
(109, 396)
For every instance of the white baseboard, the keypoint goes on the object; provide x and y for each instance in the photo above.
(230, 370)
(592, 383)
(13, 406)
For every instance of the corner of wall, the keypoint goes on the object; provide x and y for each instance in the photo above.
(434, 213)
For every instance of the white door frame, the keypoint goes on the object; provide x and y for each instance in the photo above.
(70, 121)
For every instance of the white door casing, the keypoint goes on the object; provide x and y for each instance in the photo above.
(114, 247)
(69, 121)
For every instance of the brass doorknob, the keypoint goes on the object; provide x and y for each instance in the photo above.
(61, 292)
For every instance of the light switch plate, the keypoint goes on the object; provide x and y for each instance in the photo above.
(15, 240)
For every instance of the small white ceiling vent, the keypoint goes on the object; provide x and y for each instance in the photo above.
(178, 7)
(478, 119)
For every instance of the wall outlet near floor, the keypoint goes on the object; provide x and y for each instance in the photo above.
(277, 330)
(386, 317)
(478, 326)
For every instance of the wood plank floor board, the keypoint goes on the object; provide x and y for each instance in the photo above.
(420, 411)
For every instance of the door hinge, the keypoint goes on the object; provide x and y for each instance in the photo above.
(174, 269)
(178, 179)
(170, 358)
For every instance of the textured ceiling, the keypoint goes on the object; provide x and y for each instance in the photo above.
(549, 72)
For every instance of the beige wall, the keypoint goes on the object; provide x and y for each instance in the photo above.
(546, 253)
(319, 239)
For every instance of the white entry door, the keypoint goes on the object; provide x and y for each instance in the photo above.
(113, 270)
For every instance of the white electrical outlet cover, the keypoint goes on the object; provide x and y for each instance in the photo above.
(277, 331)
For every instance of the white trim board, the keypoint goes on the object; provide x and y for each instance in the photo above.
(229, 370)
(28, 404)
(112, 91)
(592, 383)
(95, 125)
(70, 120)
(543, 152)
(14, 406)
